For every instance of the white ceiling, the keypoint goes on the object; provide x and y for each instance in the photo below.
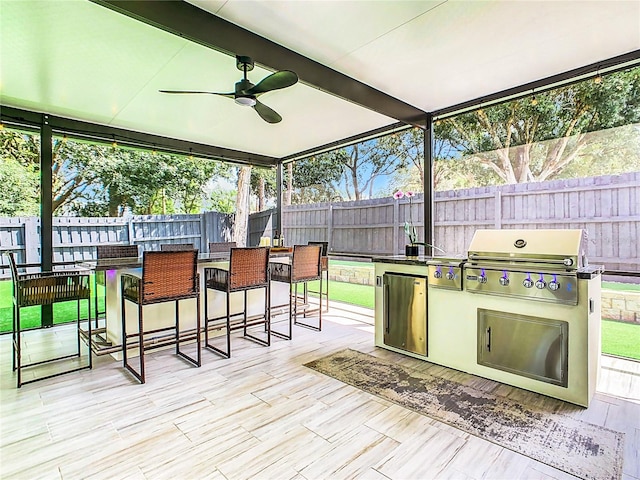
(80, 60)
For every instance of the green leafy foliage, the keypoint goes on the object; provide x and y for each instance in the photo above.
(19, 174)
(99, 180)
(524, 141)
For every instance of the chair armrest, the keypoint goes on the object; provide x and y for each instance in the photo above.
(216, 278)
(131, 287)
(280, 272)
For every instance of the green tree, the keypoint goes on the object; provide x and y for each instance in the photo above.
(19, 173)
(19, 195)
(242, 206)
(263, 186)
(223, 201)
(90, 178)
(313, 180)
(525, 140)
(348, 173)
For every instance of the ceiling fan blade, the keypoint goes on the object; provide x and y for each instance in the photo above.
(267, 114)
(230, 95)
(275, 81)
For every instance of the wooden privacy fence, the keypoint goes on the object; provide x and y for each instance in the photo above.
(606, 207)
(76, 238)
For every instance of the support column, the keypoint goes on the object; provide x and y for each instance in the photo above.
(429, 194)
(46, 209)
(278, 220)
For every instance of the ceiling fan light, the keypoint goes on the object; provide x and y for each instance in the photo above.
(246, 101)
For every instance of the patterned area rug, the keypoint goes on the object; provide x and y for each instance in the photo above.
(576, 447)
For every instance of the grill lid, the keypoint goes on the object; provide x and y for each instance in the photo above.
(561, 247)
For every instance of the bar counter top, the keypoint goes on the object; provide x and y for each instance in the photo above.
(420, 260)
(136, 262)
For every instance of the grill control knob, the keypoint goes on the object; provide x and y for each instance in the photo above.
(540, 284)
(554, 285)
(504, 281)
(482, 279)
(527, 283)
(450, 274)
(437, 274)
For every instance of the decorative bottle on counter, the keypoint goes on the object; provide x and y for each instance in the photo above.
(276, 239)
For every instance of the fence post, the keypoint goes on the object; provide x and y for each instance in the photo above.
(396, 220)
(31, 240)
(498, 209)
(330, 226)
(204, 234)
(130, 230)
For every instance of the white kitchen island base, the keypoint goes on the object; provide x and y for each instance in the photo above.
(452, 336)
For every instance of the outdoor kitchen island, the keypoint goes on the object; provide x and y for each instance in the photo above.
(162, 316)
(523, 309)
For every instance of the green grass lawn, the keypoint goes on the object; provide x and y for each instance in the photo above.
(620, 339)
(623, 287)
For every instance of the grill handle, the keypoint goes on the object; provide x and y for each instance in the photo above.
(566, 262)
(488, 339)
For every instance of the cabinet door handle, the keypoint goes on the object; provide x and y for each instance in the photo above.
(489, 339)
(386, 308)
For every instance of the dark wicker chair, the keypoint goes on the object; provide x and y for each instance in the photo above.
(324, 263)
(166, 277)
(221, 247)
(110, 251)
(248, 270)
(305, 266)
(47, 288)
(176, 247)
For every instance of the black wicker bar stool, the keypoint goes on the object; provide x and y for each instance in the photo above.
(248, 270)
(47, 288)
(110, 251)
(166, 277)
(305, 266)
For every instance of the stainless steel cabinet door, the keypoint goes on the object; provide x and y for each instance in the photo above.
(405, 312)
(529, 346)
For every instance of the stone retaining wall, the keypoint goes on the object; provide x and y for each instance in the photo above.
(351, 274)
(621, 306)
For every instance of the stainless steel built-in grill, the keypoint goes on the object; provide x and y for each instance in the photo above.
(534, 264)
(519, 335)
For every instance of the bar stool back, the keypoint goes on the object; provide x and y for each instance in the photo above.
(166, 277)
(221, 247)
(324, 263)
(305, 266)
(176, 247)
(248, 270)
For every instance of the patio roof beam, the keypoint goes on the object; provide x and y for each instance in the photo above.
(107, 134)
(190, 22)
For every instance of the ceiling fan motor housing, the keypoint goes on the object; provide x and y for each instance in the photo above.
(241, 97)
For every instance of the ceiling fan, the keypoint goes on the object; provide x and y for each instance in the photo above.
(246, 93)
